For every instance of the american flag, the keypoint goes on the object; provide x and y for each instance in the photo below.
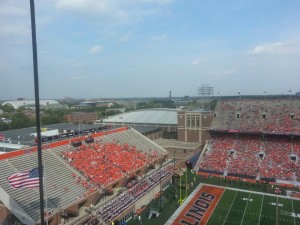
(28, 179)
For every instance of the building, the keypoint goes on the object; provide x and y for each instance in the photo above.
(26, 103)
(189, 126)
(81, 117)
(193, 126)
(165, 119)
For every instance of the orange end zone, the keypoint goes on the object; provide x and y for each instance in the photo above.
(201, 206)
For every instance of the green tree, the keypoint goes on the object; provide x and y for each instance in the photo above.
(20, 120)
(3, 126)
(8, 108)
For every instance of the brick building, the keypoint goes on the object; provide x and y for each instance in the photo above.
(80, 117)
(193, 126)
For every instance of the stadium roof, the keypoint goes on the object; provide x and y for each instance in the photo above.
(18, 103)
(146, 116)
(24, 135)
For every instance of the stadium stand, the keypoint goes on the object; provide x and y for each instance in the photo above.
(256, 139)
(77, 176)
(117, 205)
(258, 116)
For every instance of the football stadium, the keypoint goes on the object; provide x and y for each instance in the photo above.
(116, 175)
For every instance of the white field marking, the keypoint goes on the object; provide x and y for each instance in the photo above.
(247, 199)
(230, 207)
(215, 207)
(293, 211)
(278, 204)
(262, 202)
(246, 207)
(277, 212)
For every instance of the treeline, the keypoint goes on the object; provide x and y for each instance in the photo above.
(156, 103)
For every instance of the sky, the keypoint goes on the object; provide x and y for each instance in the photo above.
(146, 48)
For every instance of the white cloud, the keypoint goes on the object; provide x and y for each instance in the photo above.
(13, 10)
(153, 1)
(274, 48)
(125, 37)
(77, 77)
(226, 72)
(95, 50)
(14, 19)
(160, 37)
(199, 61)
(12, 30)
(112, 10)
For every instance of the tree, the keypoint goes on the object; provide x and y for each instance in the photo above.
(7, 108)
(3, 126)
(20, 120)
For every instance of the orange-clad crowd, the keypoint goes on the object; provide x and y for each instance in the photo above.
(253, 155)
(104, 163)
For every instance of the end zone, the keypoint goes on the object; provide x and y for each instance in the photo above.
(198, 207)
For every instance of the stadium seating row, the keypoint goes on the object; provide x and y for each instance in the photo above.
(259, 116)
(104, 163)
(273, 157)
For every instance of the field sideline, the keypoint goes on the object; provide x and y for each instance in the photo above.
(235, 207)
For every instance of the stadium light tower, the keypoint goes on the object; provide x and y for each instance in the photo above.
(205, 91)
(290, 91)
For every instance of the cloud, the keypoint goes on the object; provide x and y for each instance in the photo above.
(119, 11)
(95, 50)
(274, 48)
(199, 61)
(125, 37)
(226, 72)
(77, 77)
(14, 19)
(160, 37)
(14, 30)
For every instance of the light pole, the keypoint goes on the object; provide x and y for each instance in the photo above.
(240, 100)
(160, 186)
(290, 91)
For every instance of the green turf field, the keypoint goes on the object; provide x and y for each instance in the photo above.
(239, 207)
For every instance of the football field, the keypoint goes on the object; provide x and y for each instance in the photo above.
(239, 207)
(214, 205)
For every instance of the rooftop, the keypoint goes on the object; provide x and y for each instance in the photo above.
(146, 116)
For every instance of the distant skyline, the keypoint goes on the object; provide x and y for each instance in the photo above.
(145, 48)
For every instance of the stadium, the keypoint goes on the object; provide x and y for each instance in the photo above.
(117, 175)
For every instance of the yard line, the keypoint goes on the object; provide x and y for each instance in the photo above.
(277, 212)
(293, 211)
(230, 208)
(262, 202)
(214, 208)
(245, 208)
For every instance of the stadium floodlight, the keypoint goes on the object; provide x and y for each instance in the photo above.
(205, 91)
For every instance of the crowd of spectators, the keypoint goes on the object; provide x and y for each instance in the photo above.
(104, 163)
(218, 153)
(90, 220)
(278, 163)
(116, 206)
(265, 157)
(261, 115)
(245, 158)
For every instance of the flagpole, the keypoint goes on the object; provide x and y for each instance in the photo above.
(46, 196)
(37, 109)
